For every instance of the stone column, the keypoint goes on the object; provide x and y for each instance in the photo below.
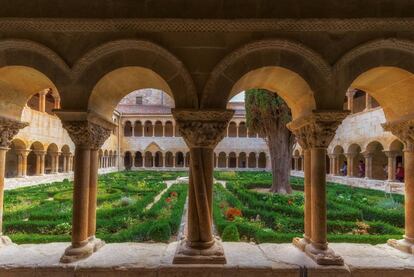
(88, 132)
(22, 162)
(202, 130)
(42, 100)
(40, 162)
(65, 163)
(337, 164)
(8, 130)
(314, 134)
(368, 164)
(57, 102)
(404, 130)
(331, 164)
(350, 157)
(257, 160)
(350, 96)
(133, 161)
(296, 163)
(368, 102)
(392, 165)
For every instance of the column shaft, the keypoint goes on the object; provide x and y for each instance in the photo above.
(308, 194)
(3, 151)
(93, 190)
(409, 194)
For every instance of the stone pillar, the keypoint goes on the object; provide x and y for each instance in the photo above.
(22, 162)
(350, 96)
(202, 130)
(368, 164)
(8, 130)
(331, 164)
(65, 163)
(368, 102)
(88, 132)
(257, 160)
(314, 134)
(392, 165)
(350, 157)
(337, 164)
(404, 130)
(42, 100)
(133, 161)
(57, 102)
(40, 162)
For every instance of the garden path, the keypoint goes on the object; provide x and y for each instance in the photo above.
(158, 197)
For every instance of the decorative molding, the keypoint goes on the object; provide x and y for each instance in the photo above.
(9, 129)
(404, 130)
(87, 134)
(318, 129)
(202, 128)
(205, 25)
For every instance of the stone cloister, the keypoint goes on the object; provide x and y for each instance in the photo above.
(310, 54)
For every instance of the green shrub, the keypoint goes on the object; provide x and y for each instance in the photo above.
(160, 231)
(230, 233)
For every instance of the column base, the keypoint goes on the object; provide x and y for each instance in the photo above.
(323, 256)
(5, 241)
(187, 255)
(73, 254)
(300, 243)
(96, 243)
(402, 245)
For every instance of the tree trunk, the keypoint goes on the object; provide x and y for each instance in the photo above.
(280, 149)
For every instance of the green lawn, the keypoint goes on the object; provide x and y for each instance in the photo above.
(354, 214)
(42, 213)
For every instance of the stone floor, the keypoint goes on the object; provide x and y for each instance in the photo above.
(243, 259)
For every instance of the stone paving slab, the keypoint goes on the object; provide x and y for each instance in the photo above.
(243, 259)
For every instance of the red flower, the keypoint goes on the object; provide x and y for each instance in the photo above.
(168, 200)
(173, 194)
(232, 213)
(290, 201)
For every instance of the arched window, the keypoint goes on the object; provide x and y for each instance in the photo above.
(138, 159)
(149, 162)
(222, 160)
(242, 160)
(262, 160)
(179, 159)
(158, 162)
(169, 160)
(127, 129)
(232, 160)
(128, 160)
(158, 129)
(252, 160)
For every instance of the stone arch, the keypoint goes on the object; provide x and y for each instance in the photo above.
(222, 160)
(232, 129)
(232, 160)
(13, 168)
(242, 160)
(153, 147)
(354, 157)
(65, 151)
(27, 68)
(158, 159)
(127, 129)
(179, 159)
(138, 129)
(138, 160)
(127, 160)
(251, 162)
(262, 160)
(379, 160)
(169, 159)
(296, 73)
(148, 129)
(396, 145)
(158, 129)
(149, 161)
(51, 162)
(242, 130)
(169, 129)
(118, 67)
(380, 68)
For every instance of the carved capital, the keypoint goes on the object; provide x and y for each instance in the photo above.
(404, 130)
(318, 129)
(202, 128)
(86, 133)
(9, 129)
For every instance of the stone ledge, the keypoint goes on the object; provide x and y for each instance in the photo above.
(243, 259)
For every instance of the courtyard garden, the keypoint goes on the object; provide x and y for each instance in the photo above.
(42, 213)
(245, 211)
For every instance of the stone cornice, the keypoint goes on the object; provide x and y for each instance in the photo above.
(205, 25)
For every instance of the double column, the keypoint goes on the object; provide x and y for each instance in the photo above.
(88, 133)
(404, 130)
(314, 133)
(8, 130)
(202, 130)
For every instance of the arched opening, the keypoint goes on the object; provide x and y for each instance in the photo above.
(138, 129)
(375, 161)
(128, 160)
(179, 159)
(354, 157)
(51, 160)
(158, 161)
(158, 129)
(232, 130)
(169, 129)
(15, 159)
(262, 160)
(340, 163)
(169, 159)
(395, 161)
(149, 161)
(242, 130)
(252, 160)
(148, 129)
(242, 161)
(128, 129)
(105, 156)
(64, 159)
(138, 160)
(232, 160)
(35, 159)
(110, 158)
(222, 160)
